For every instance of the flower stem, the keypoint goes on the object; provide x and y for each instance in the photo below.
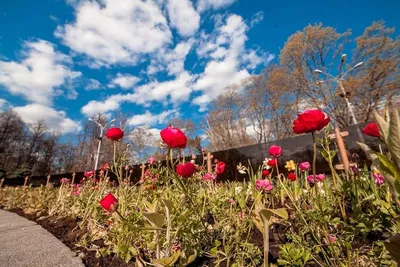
(314, 160)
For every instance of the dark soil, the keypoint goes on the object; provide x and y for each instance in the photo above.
(68, 231)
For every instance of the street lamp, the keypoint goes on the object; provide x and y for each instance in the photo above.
(100, 138)
(340, 80)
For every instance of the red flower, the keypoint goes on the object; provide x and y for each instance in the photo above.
(371, 129)
(272, 162)
(265, 173)
(109, 203)
(173, 137)
(185, 170)
(291, 176)
(114, 134)
(105, 166)
(220, 168)
(310, 121)
(275, 151)
(89, 174)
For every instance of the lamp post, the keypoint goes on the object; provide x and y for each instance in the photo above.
(100, 138)
(339, 80)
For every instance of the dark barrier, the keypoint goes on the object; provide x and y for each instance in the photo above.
(297, 148)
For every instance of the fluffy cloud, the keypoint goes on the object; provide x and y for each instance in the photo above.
(93, 84)
(176, 91)
(213, 4)
(42, 70)
(116, 31)
(183, 17)
(125, 81)
(55, 120)
(151, 119)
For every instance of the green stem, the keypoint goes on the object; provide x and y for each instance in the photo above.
(314, 161)
(266, 242)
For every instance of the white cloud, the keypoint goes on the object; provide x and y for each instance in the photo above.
(125, 81)
(93, 84)
(230, 60)
(55, 120)
(40, 74)
(183, 17)
(175, 91)
(150, 119)
(256, 18)
(116, 31)
(213, 4)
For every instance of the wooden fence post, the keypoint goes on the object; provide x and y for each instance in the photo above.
(26, 181)
(1, 182)
(143, 167)
(209, 162)
(73, 178)
(345, 163)
(48, 180)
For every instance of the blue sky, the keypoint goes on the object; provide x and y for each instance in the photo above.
(66, 60)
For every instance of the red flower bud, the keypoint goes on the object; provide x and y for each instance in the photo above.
(89, 174)
(265, 173)
(114, 134)
(109, 202)
(173, 137)
(185, 170)
(291, 176)
(220, 168)
(371, 129)
(272, 162)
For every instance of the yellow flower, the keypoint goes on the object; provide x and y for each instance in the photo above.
(290, 165)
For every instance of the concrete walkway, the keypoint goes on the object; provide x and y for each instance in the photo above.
(24, 243)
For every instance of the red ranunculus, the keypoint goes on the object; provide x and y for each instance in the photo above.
(173, 137)
(265, 173)
(310, 121)
(185, 170)
(291, 176)
(272, 162)
(371, 129)
(109, 202)
(220, 168)
(105, 166)
(89, 174)
(275, 151)
(114, 134)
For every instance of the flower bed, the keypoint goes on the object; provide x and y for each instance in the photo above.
(180, 215)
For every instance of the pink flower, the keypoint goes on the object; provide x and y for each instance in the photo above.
(318, 177)
(232, 201)
(105, 166)
(264, 185)
(275, 151)
(379, 179)
(332, 239)
(64, 180)
(176, 246)
(75, 192)
(304, 166)
(209, 177)
(220, 168)
(151, 160)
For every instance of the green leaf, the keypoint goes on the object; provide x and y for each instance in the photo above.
(157, 219)
(392, 244)
(266, 214)
(191, 258)
(382, 125)
(393, 141)
(168, 204)
(167, 262)
(369, 152)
